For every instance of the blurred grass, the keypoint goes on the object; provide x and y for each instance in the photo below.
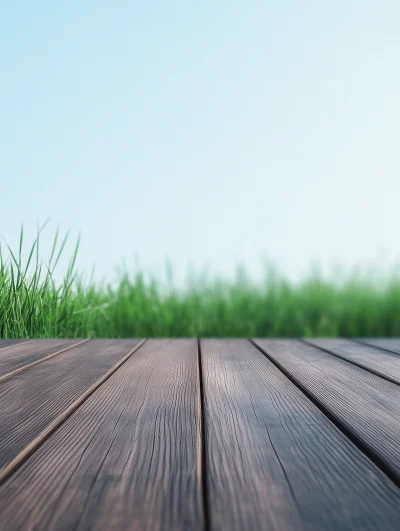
(32, 305)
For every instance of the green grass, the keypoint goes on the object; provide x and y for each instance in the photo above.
(33, 305)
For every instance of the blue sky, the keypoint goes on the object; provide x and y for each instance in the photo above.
(211, 134)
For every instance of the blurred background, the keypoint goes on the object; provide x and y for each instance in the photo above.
(212, 135)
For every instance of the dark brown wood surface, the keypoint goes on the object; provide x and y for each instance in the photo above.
(277, 435)
(7, 342)
(382, 363)
(128, 458)
(16, 356)
(274, 461)
(391, 345)
(367, 406)
(33, 399)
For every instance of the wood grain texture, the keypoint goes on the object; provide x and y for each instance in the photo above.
(21, 354)
(31, 400)
(382, 363)
(367, 405)
(275, 462)
(8, 342)
(128, 458)
(392, 345)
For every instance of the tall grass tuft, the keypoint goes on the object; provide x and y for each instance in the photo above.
(32, 305)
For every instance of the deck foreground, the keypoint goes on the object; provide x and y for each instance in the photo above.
(181, 434)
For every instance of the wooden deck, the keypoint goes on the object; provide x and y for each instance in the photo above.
(180, 434)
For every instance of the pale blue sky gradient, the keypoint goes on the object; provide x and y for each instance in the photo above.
(210, 134)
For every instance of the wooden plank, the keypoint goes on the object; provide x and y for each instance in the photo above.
(8, 342)
(275, 462)
(31, 400)
(382, 363)
(366, 406)
(128, 458)
(14, 357)
(392, 345)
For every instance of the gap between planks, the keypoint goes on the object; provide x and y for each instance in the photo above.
(13, 344)
(203, 443)
(41, 360)
(364, 366)
(366, 343)
(354, 438)
(42, 437)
